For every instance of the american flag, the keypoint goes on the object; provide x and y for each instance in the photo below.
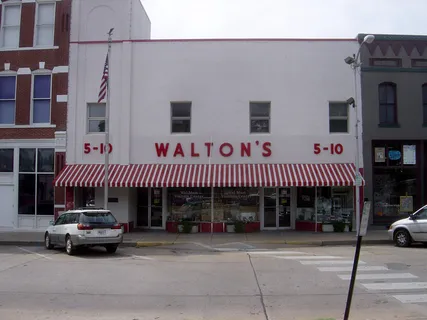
(104, 79)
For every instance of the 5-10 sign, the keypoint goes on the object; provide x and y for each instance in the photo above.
(88, 148)
(333, 148)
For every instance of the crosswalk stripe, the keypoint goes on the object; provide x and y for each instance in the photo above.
(395, 286)
(277, 252)
(350, 268)
(379, 276)
(331, 262)
(411, 298)
(307, 257)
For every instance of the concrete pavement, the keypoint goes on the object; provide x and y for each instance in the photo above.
(156, 283)
(161, 238)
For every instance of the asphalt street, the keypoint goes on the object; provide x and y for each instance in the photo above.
(199, 282)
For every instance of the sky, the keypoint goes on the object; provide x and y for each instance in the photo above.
(192, 19)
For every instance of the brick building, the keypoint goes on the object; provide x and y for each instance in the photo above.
(34, 48)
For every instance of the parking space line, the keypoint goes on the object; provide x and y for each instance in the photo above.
(37, 254)
(140, 257)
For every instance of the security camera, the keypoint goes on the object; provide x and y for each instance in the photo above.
(350, 101)
(349, 60)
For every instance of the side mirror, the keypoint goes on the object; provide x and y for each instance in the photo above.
(51, 222)
(412, 217)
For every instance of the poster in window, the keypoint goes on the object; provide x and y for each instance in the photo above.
(409, 154)
(379, 154)
(406, 204)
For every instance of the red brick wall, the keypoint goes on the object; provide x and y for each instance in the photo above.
(26, 37)
(30, 59)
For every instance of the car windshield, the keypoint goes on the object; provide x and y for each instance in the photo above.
(97, 217)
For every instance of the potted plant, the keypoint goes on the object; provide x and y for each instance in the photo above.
(229, 225)
(339, 226)
(239, 226)
(327, 226)
(187, 226)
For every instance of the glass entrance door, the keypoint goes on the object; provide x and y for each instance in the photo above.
(150, 208)
(277, 208)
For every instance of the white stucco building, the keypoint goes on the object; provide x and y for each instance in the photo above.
(270, 113)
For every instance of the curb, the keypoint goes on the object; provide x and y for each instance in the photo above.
(143, 244)
(146, 244)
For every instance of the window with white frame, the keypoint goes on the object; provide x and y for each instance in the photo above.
(7, 99)
(10, 26)
(45, 24)
(96, 117)
(36, 174)
(259, 117)
(338, 117)
(41, 98)
(181, 117)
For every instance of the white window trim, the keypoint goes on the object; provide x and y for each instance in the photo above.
(180, 118)
(4, 5)
(16, 88)
(260, 118)
(35, 173)
(88, 119)
(33, 75)
(347, 118)
(52, 45)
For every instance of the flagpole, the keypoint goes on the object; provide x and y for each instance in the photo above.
(212, 188)
(107, 123)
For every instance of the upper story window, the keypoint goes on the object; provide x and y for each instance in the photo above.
(385, 62)
(41, 98)
(10, 26)
(338, 117)
(96, 117)
(387, 103)
(260, 117)
(181, 117)
(424, 91)
(7, 99)
(45, 24)
(419, 63)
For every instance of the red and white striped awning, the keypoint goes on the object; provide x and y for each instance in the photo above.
(204, 175)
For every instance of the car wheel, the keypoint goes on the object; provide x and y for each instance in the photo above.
(111, 248)
(69, 247)
(47, 242)
(402, 238)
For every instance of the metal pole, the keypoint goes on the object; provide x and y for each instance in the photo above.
(353, 277)
(107, 123)
(357, 163)
(212, 188)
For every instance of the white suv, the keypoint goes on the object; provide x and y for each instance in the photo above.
(412, 229)
(84, 227)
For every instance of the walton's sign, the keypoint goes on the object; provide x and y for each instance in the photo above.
(225, 149)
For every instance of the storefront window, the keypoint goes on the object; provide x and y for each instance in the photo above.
(305, 204)
(192, 204)
(229, 204)
(342, 204)
(395, 193)
(324, 204)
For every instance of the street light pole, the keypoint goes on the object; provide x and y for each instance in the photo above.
(355, 65)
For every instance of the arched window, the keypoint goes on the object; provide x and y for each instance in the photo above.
(424, 90)
(387, 103)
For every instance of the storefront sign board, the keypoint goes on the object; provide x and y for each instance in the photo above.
(365, 219)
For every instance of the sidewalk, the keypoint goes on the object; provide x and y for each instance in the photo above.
(159, 238)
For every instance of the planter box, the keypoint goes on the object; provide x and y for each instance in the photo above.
(307, 226)
(327, 227)
(252, 227)
(230, 227)
(217, 227)
(172, 226)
